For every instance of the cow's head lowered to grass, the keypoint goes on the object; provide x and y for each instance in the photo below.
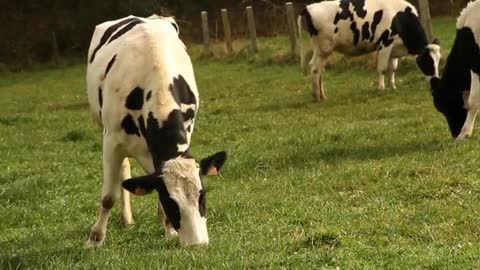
(429, 59)
(182, 194)
(451, 103)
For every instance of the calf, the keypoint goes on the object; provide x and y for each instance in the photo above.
(357, 27)
(457, 94)
(141, 89)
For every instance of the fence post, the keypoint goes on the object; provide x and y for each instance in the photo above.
(206, 35)
(251, 29)
(291, 26)
(55, 53)
(226, 30)
(425, 19)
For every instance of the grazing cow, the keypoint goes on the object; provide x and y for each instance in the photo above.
(141, 89)
(357, 27)
(457, 94)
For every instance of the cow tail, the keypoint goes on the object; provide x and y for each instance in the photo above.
(300, 39)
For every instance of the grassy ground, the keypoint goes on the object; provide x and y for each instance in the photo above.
(366, 180)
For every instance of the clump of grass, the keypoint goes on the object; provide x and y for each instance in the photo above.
(12, 120)
(75, 136)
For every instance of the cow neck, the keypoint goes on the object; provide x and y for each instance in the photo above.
(165, 139)
(456, 75)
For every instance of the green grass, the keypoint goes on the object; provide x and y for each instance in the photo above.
(366, 180)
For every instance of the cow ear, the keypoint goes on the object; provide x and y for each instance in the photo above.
(435, 84)
(142, 185)
(436, 41)
(212, 164)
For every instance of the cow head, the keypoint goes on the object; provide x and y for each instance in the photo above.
(182, 194)
(429, 59)
(451, 104)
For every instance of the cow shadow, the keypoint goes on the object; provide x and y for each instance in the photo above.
(337, 153)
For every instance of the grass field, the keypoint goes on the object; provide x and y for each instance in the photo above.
(366, 180)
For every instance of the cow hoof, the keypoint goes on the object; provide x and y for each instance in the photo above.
(95, 239)
(170, 233)
(128, 221)
(319, 99)
(462, 137)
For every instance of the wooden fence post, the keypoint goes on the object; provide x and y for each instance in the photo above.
(291, 26)
(425, 19)
(251, 29)
(206, 34)
(55, 53)
(226, 31)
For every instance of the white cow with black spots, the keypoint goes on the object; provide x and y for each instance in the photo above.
(357, 27)
(141, 89)
(457, 93)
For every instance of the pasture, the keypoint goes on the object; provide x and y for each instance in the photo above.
(366, 180)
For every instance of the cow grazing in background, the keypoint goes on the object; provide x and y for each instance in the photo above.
(141, 89)
(357, 27)
(457, 94)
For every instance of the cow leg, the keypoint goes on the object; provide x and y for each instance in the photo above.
(169, 230)
(112, 162)
(392, 68)
(125, 194)
(317, 65)
(383, 62)
(473, 107)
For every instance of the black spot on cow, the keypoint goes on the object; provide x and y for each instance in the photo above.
(425, 63)
(110, 64)
(129, 126)
(385, 39)
(125, 29)
(108, 33)
(449, 90)
(359, 8)
(189, 128)
(336, 30)
(365, 31)
(170, 206)
(356, 33)
(344, 13)
(202, 203)
(181, 91)
(408, 26)
(135, 99)
(308, 20)
(100, 97)
(107, 202)
(149, 95)
(189, 114)
(162, 137)
(176, 27)
(377, 18)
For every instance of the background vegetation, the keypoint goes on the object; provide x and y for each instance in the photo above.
(31, 29)
(366, 180)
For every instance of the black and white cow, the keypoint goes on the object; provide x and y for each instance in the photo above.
(141, 89)
(457, 94)
(357, 27)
